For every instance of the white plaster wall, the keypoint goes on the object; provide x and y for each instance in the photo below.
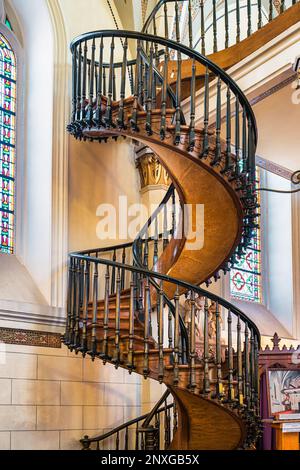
(279, 270)
(277, 120)
(37, 146)
(99, 174)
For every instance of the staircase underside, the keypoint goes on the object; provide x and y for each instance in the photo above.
(198, 182)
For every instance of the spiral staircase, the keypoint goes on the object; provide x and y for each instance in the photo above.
(125, 302)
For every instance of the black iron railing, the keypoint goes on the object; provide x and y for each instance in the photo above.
(211, 26)
(222, 108)
(233, 357)
(151, 431)
(123, 85)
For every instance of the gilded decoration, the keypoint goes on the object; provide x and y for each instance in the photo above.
(152, 173)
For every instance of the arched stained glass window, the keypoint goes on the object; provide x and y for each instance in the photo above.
(245, 276)
(7, 145)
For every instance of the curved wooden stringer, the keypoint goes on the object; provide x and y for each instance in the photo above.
(125, 303)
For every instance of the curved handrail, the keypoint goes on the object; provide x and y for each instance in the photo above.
(168, 43)
(185, 285)
(156, 408)
(147, 417)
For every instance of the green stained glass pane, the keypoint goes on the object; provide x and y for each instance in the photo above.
(8, 24)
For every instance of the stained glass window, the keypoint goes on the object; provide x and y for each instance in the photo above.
(7, 145)
(8, 23)
(245, 276)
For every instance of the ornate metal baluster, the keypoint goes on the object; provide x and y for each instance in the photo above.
(131, 79)
(73, 304)
(114, 95)
(206, 115)
(193, 345)
(206, 380)
(92, 78)
(169, 426)
(178, 82)
(252, 371)
(130, 358)
(166, 427)
(123, 269)
(74, 83)
(165, 229)
(150, 92)
(246, 366)
(113, 275)
(164, 96)
(134, 117)
(166, 24)
(98, 116)
(108, 113)
(226, 25)
(106, 316)
(96, 81)
(83, 347)
(193, 108)
(237, 138)
(116, 358)
(219, 391)
(203, 47)
(141, 83)
(155, 247)
(217, 157)
(155, 44)
(244, 141)
(69, 304)
(120, 119)
(77, 308)
(146, 327)
(84, 82)
(228, 163)
(240, 396)
(104, 81)
(251, 153)
(146, 251)
(160, 310)
(170, 329)
(238, 22)
(176, 339)
(256, 379)
(79, 88)
(118, 441)
(215, 33)
(175, 418)
(259, 24)
(173, 213)
(95, 312)
(230, 358)
(249, 13)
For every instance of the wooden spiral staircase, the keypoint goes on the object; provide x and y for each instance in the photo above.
(125, 302)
